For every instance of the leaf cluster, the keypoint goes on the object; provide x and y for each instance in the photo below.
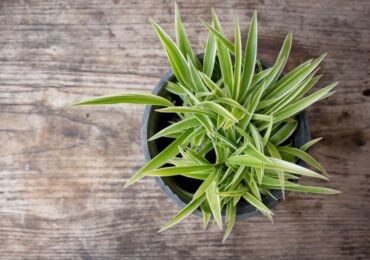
(239, 110)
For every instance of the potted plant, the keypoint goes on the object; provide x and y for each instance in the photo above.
(225, 134)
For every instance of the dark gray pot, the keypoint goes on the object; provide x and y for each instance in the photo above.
(153, 122)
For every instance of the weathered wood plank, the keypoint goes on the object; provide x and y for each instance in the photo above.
(62, 170)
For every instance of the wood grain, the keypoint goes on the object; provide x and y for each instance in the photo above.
(62, 170)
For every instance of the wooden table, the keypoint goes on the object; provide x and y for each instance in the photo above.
(62, 170)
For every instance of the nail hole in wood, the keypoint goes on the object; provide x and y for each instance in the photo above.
(366, 92)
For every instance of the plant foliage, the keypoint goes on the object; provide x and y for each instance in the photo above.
(243, 112)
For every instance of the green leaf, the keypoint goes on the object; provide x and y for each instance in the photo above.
(232, 103)
(284, 133)
(175, 88)
(258, 77)
(266, 137)
(281, 165)
(184, 109)
(195, 156)
(238, 176)
(207, 146)
(226, 174)
(193, 205)
(206, 95)
(257, 139)
(290, 95)
(309, 189)
(243, 133)
(309, 144)
(268, 81)
(254, 188)
(209, 55)
(256, 203)
(230, 220)
(276, 164)
(232, 193)
(176, 127)
(211, 85)
(197, 81)
(327, 95)
(205, 184)
(224, 59)
(259, 66)
(225, 141)
(163, 157)
(250, 58)
(242, 148)
(182, 39)
(266, 103)
(254, 152)
(218, 109)
(214, 203)
(206, 214)
(178, 190)
(190, 97)
(146, 99)
(262, 117)
(306, 88)
(288, 176)
(238, 60)
(283, 56)
(274, 152)
(245, 160)
(175, 56)
(192, 171)
(304, 157)
(173, 135)
(198, 139)
(290, 88)
(251, 107)
(236, 200)
(290, 80)
(206, 122)
(271, 181)
(260, 172)
(219, 150)
(302, 104)
(218, 33)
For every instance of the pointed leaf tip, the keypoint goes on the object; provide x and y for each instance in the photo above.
(126, 98)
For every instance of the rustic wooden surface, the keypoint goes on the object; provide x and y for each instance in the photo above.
(62, 169)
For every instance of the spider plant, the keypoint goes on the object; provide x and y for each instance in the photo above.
(238, 109)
